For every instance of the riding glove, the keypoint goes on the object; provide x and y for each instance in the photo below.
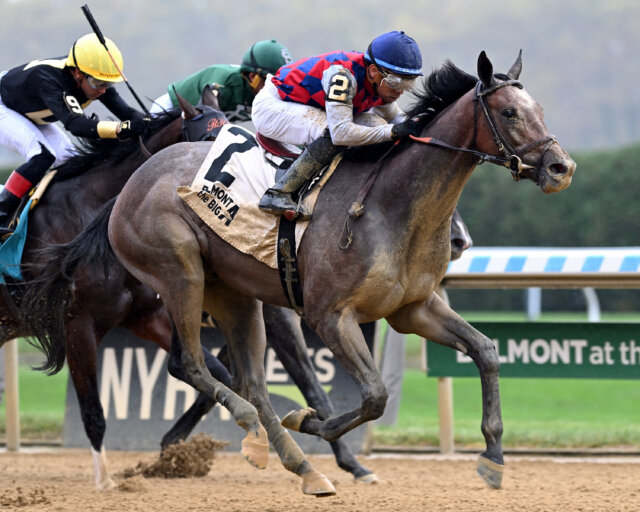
(132, 127)
(406, 128)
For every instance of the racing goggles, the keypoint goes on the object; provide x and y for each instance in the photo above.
(396, 82)
(94, 83)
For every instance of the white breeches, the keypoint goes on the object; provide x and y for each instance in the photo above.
(24, 137)
(286, 121)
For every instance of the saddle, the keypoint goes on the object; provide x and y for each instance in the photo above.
(278, 154)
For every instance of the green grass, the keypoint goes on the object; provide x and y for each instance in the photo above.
(551, 413)
(41, 403)
(545, 413)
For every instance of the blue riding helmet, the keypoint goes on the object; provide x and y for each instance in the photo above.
(395, 52)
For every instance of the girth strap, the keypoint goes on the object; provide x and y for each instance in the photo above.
(288, 265)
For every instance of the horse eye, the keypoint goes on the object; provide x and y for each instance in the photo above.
(510, 113)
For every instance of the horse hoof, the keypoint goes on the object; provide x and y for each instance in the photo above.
(491, 472)
(106, 485)
(294, 419)
(255, 450)
(316, 484)
(371, 478)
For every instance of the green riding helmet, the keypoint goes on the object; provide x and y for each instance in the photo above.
(265, 57)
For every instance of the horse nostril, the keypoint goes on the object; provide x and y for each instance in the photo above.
(557, 169)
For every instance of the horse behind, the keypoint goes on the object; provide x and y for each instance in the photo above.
(397, 255)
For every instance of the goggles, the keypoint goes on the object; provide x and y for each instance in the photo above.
(94, 83)
(395, 82)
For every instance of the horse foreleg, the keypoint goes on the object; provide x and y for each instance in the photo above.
(343, 336)
(240, 320)
(436, 321)
(285, 336)
(81, 359)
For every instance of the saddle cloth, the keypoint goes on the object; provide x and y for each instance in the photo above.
(12, 246)
(227, 189)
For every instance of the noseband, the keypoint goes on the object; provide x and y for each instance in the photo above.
(512, 157)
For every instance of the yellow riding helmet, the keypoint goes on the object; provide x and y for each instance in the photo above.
(89, 56)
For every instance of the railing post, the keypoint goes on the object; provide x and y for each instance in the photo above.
(445, 401)
(12, 418)
(445, 412)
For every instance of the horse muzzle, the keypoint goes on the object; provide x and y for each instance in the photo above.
(556, 175)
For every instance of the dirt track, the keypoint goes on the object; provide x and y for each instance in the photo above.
(61, 480)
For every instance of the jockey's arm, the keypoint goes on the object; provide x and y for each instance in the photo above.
(390, 112)
(114, 102)
(340, 87)
(67, 109)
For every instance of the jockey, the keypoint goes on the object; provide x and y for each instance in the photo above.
(334, 100)
(35, 95)
(237, 86)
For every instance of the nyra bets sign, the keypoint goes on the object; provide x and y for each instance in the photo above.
(558, 350)
(141, 401)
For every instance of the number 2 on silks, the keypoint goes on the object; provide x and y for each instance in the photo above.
(73, 104)
(338, 88)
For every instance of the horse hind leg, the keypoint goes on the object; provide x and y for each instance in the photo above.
(81, 359)
(240, 320)
(285, 336)
(203, 403)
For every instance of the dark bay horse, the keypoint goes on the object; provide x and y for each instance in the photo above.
(397, 255)
(81, 187)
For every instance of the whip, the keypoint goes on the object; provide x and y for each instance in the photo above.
(98, 32)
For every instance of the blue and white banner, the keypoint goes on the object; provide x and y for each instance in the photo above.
(546, 261)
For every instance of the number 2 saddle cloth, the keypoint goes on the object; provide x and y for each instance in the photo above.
(227, 189)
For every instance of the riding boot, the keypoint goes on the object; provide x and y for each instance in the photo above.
(8, 204)
(21, 181)
(277, 199)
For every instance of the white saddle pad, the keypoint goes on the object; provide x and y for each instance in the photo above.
(227, 189)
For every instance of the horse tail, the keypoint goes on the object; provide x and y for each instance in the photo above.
(47, 297)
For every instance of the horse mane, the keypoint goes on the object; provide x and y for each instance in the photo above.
(109, 151)
(443, 87)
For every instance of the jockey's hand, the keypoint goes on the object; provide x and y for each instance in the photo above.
(132, 127)
(406, 128)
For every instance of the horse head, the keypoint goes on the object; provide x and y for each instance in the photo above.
(514, 123)
(204, 121)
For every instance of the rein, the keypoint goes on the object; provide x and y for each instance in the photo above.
(512, 158)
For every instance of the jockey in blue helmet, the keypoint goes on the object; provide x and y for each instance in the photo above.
(334, 100)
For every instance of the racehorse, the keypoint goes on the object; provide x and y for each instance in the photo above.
(394, 257)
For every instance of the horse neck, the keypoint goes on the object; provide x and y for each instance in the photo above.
(431, 178)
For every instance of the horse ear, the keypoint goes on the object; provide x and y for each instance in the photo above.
(485, 70)
(188, 110)
(209, 97)
(514, 72)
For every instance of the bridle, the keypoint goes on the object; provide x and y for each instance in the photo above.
(513, 158)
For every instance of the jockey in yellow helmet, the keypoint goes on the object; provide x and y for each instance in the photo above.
(35, 95)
